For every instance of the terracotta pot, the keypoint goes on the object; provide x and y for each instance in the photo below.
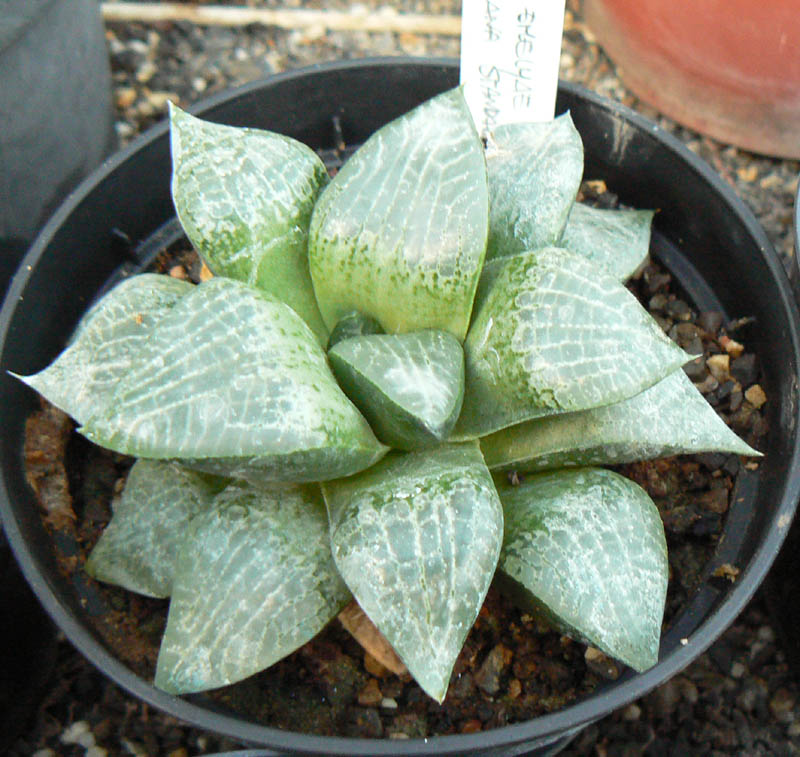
(727, 68)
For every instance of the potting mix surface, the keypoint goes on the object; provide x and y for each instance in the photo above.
(738, 698)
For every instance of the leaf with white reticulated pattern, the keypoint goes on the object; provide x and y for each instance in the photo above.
(409, 386)
(669, 418)
(586, 549)
(552, 333)
(138, 548)
(244, 198)
(400, 232)
(233, 382)
(619, 240)
(416, 538)
(106, 344)
(254, 581)
(535, 172)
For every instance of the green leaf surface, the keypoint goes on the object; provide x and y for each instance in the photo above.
(244, 198)
(618, 240)
(352, 325)
(586, 549)
(106, 344)
(400, 233)
(553, 334)
(669, 418)
(416, 538)
(138, 548)
(254, 581)
(408, 386)
(535, 172)
(234, 383)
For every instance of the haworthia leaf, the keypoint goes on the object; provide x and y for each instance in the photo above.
(554, 334)
(669, 418)
(254, 581)
(535, 172)
(408, 386)
(618, 240)
(139, 546)
(586, 549)
(244, 198)
(234, 383)
(352, 325)
(106, 344)
(400, 233)
(416, 538)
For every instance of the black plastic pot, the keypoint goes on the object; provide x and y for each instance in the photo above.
(703, 234)
(783, 582)
(56, 119)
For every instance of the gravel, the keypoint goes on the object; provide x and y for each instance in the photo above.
(738, 698)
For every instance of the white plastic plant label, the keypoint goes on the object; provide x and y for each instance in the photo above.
(510, 51)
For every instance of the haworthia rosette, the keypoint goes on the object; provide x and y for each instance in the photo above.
(535, 172)
(254, 581)
(586, 549)
(669, 418)
(616, 239)
(138, 548)
(553, 334)
(244, 198)
(400, 232)
(233, 382)
(416, 538)
(408, 386)
(106, 344)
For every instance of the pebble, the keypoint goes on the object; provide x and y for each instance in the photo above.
(744, 369)
(370, 695)
(781, 705)
(602, 664)
(388, 703)
(632, 713)
(488, 675)
(710, 321)
(74, 732)
(720, 366)
(738, 670)
(756, 396)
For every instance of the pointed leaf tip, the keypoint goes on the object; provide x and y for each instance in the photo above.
(233, 382)
(586, 549)
(554, 334)
(138, 548)
(106, 344)
(254, 581)
(535, 172)
(616, 239)
(416, 539)
(400, 233)
(669, 418)
(244, 198)
(409, 386)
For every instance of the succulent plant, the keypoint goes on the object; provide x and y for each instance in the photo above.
(333, 414)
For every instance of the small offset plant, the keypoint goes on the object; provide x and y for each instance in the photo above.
(335, 412)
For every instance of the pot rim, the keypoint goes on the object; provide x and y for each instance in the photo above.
(541, 729)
